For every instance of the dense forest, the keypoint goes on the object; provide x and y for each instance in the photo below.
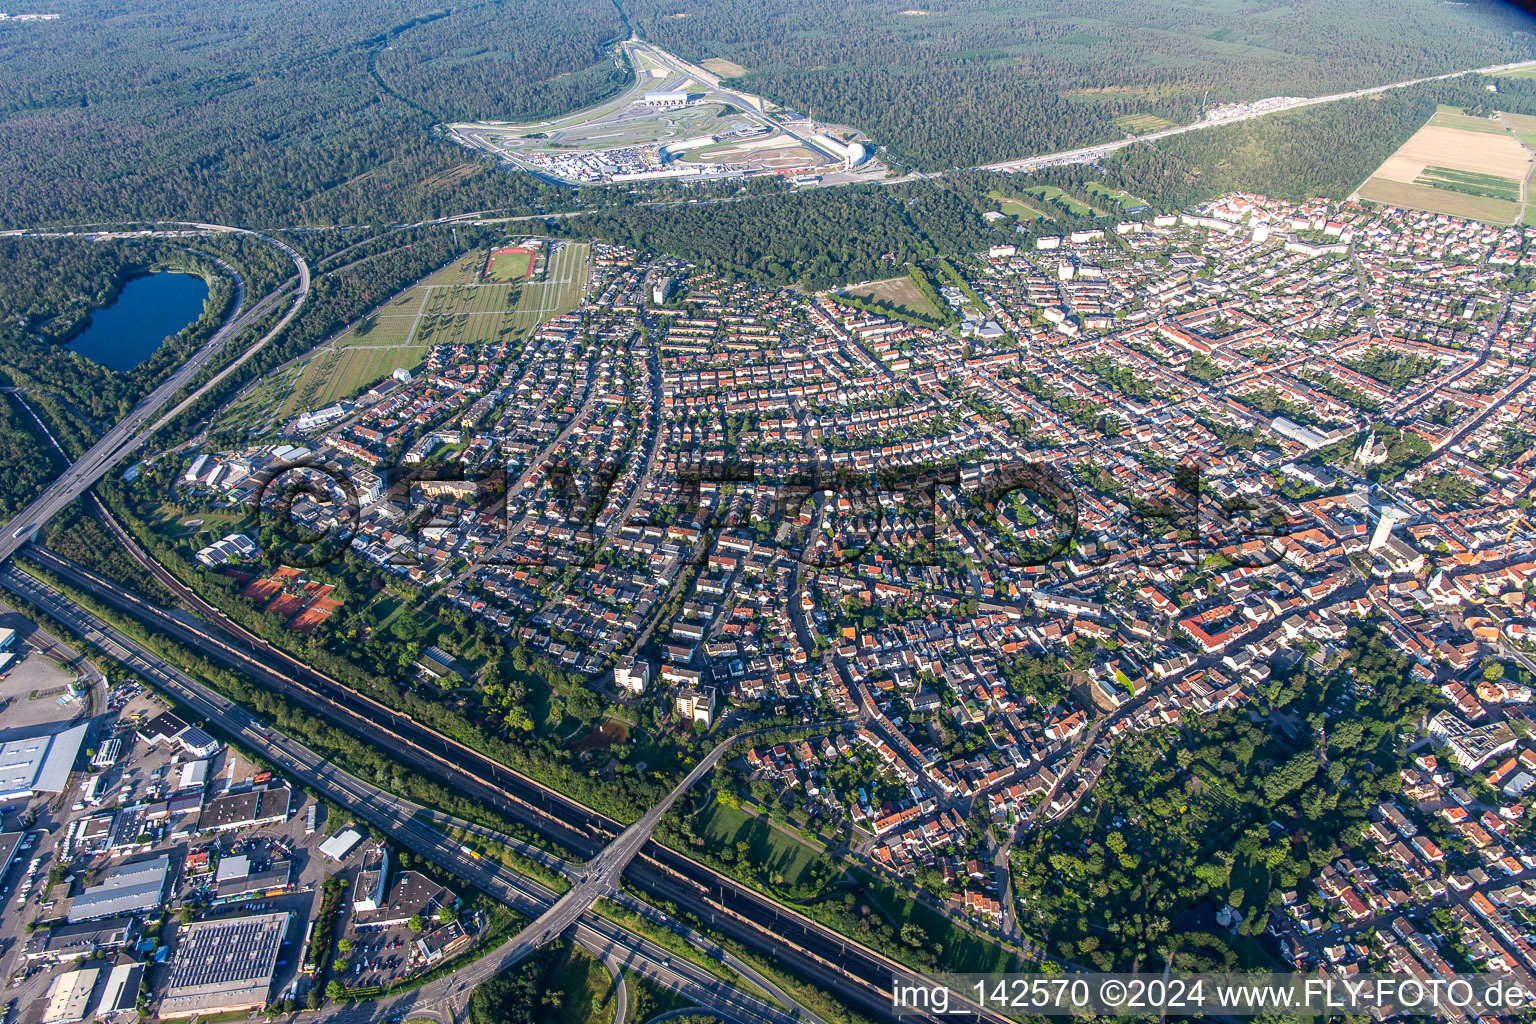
(818, 239)
(1326, 150)
(824, 238)
(48, 288)
(507, 60)
(25, 462)
(967, 81)
(317, 112)
(262, 114)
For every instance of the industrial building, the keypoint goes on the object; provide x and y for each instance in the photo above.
(412, 894)
(236, 881)
(249, 809)
(342, 843)
(80, 941)
(10, 842)
(69, 997)
(134, 888)
(122, 992)
(39, 764)
(368, 893)
(224, 965)
(167, 728)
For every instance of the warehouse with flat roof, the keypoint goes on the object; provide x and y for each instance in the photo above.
(69, 997)
(135, 888)
(245, 810)
(122, 992)
(39, 764)
(80, 941)
(224, 965)
(338, 846)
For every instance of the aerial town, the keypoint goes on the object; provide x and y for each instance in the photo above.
(768, 512)
(1244, 430)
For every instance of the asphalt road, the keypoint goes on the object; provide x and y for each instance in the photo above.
(857, 974)
(1105, 148)
(600, 876)
(402, 822)
(127, 436)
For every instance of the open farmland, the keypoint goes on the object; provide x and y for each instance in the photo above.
(1422, 197)
(1524, 126)
(1457, 165)
(1450, 117)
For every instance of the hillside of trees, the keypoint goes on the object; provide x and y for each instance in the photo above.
(512, 61)
(263, 114)
(968, 81)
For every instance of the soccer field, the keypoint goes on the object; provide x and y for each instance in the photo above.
(509, 265)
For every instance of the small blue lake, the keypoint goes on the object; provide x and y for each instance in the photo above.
(148, 310)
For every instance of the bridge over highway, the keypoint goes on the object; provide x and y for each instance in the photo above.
(600, 876)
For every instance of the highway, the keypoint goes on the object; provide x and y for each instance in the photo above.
(1087, 153)
(403, 822)
(674, 65)
(127, 436)
(860, 975)
(600, 875)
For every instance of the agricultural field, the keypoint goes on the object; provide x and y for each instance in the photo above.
(898, 291)
(1141, 124)
(1420, 197)
(1470, 183)
(450, 306)
(1524, 126)
(1450, 117)
(1457, 165)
